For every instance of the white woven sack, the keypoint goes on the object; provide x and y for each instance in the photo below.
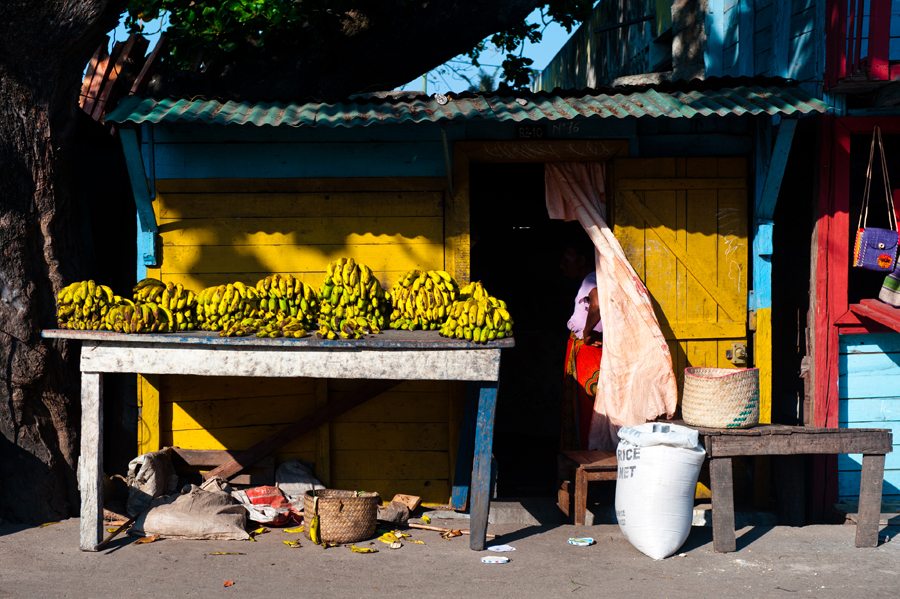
(658, 466)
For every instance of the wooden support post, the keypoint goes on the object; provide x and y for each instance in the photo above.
(90, 464)
(301, 427)
(870, 484)
(722, 482)
(581, 487)
(481, 475)
(466, 453)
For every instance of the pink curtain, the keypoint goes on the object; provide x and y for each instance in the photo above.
(636, 381)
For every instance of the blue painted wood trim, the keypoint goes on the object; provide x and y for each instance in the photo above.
(781, 38)
(292, 160)
(715, 36)
(745, 41)
(869, 343)
(466, 452)
(852, 462)
(481, 475)
(775, 172)
(147, 254)
(848, 484)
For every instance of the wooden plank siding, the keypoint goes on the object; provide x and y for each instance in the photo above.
(691, 229)
(868, 378)
(219, 230)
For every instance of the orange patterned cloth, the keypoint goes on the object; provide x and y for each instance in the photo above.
(579, 393)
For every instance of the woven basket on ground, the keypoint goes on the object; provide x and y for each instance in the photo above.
(344, 516)
(721, 397)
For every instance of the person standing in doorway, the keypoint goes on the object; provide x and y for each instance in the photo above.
(585, 347)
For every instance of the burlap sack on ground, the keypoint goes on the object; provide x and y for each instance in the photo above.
(206, 512)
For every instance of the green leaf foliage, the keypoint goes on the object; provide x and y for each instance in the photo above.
(214, 34)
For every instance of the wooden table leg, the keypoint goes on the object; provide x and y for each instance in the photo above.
(90, 464)
(481, 475)
(722, 482)
(870, 485)
(462, 478)
(581, 487)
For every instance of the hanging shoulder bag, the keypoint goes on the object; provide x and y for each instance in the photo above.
(876, 249)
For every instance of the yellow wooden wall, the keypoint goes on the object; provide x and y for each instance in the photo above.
(682, 223)
(217, 231)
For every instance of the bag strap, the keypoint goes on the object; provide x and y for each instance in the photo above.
(864, 211)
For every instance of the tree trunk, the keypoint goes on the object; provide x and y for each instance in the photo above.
(44, 46)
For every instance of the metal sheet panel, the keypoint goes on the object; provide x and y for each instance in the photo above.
(786, 99)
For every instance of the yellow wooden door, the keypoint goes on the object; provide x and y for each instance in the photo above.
(683, 225)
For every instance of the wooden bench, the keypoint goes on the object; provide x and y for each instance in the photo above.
(774, 439)
(582, 467)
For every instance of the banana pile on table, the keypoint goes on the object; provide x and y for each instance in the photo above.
(421, 299)
(84, 305)
(477, 316)
(162, 308)
(352, 302)
(279, 306)
(220, 307)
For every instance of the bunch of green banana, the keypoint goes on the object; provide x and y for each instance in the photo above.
(477, 316)
(287, 326)
(178, 302)
(141, 317)
(83, 306)
(226, 304)
(352, 302)
(421, 299)
(283, 296)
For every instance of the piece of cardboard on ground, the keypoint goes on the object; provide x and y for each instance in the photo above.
(410, 501)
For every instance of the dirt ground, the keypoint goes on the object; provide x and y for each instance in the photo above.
(814, 561)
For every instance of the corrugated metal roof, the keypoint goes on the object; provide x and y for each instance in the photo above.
(557, 105)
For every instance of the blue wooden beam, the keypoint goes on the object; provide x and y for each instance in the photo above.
(142, 199)
(481, 474)
(777, 163)
(466, 452)
(746, 56)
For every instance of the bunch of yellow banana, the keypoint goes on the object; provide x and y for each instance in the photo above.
(287, 326)
(83, 306)
(141, 317)
(226, 304)
(283, 296)
(352, 302)
(477, 316)
(178, 302)
(421, 299)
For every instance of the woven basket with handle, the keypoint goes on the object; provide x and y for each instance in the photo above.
(721, 397)
(344, 516)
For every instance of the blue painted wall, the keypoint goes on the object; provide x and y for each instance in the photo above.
(869, 391)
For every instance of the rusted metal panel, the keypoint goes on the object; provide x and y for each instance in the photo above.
(785, 99)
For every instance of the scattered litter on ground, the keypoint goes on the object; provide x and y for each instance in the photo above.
(388, 538)
(226, 553)
(426, 519)
(356, 549)
(396, 545)
(294, 530)
(495, 559)
(143, 540)
(294, 543)
(501, 548)
(47, 524)
(581, 541)
(229, 583)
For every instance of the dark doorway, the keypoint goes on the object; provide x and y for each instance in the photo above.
(516, 255)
